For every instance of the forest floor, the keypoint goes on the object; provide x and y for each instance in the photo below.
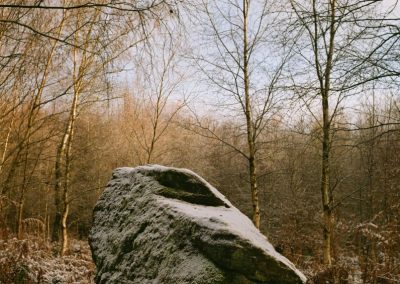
(33, 260)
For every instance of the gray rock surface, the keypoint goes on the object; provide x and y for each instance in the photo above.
(155, 224)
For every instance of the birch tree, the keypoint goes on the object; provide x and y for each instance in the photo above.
(335, 41)
(30, 111)
(83, 70)
(236, 69)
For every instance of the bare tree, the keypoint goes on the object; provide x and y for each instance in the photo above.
(85, 66)
(117, 12)
(158, 99)
(236, 70)
(332, 49)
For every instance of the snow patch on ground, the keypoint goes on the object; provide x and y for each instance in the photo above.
(33, 261)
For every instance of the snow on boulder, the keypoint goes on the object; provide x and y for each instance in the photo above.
(155, 224)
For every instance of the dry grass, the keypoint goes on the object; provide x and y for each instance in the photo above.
(33, 260)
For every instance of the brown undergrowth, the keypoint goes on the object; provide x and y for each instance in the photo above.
(33, 260)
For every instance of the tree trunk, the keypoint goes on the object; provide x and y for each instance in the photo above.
(34, 111)
(20, 212)
(63, 159)
(64, 230)
(55, 237)
(67, 174)
(154, 130)
(249, 121)
(324, 78)
(254, 193)
(46, 218)
(64, 150)
(325, 187)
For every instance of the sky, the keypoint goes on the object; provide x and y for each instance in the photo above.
(201, 93)
(392, 3)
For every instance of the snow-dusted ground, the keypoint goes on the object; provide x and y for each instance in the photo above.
(34, 261)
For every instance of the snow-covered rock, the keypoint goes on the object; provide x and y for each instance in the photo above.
(155, 224)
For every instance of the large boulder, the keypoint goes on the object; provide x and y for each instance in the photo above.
(155, 224)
